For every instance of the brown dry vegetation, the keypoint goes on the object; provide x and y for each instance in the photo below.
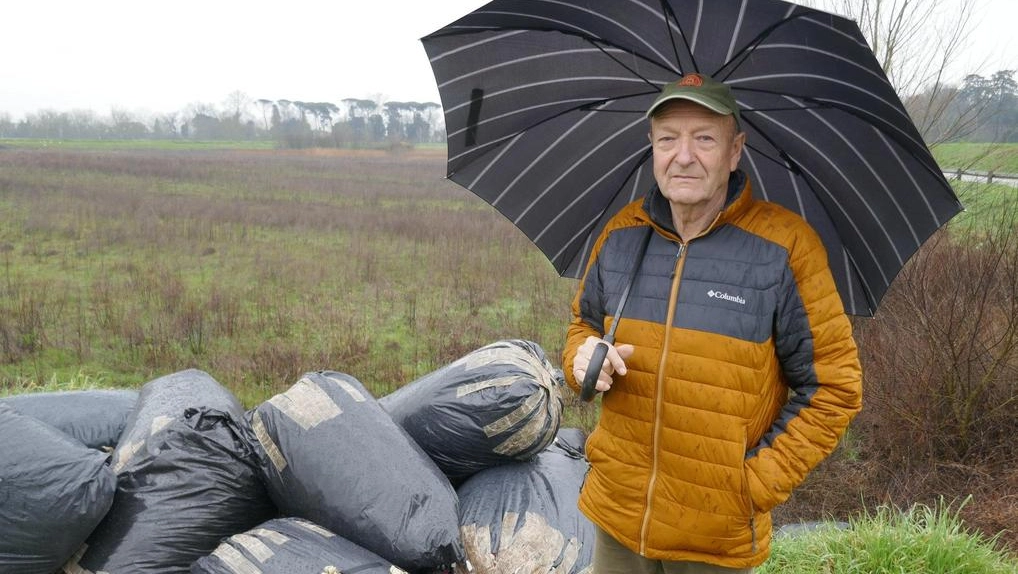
(256, 266)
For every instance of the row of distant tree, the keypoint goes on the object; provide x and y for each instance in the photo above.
(981, 109)
(349, 123)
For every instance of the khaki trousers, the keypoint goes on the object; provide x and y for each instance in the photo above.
(610, 557)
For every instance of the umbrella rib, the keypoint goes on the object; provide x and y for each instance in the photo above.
(531, 166)
(580, 196)
(454, 30)
(759, 180)
(848, 108)
(848, 279)
(495, 159)
(624, 65)
(615, 22)
(566, 172)
(736, 60)
(481, 42)
(638, 169)
(939, 175)
(867, 291)
(879, 179)
(834, 199)
(879, 77)
(525, 59)
(667, 10)
(588, 244)
(810, 17)
(735, 32)
(696, 31)
(472, 29)
(798, 194)
(586, 34)
(737, 83)
(550, 82)
(636, 183)
(586, 102)
(827, 102)
(497, 141)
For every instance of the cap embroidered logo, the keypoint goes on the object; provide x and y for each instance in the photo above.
(694, 80)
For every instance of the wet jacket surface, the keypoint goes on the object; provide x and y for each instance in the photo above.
(744, 377)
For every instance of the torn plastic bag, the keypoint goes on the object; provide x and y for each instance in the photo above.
(334, 457)
(53, 492)
(291, 546)
(522, 517)
(497, 404)
(187, 478)
(95, 417)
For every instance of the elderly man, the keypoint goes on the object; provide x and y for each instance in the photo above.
(734, 371)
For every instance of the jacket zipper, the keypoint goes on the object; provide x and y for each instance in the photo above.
(680, 260)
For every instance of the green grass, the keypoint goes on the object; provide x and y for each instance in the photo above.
(999, 158)
(921, 540)
(986, 206)
(60, 380)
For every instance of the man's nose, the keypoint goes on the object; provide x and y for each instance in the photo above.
(683, 152)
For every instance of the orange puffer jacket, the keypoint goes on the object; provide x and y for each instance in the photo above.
(745, 376)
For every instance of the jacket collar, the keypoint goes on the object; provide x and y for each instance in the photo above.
(737, 201)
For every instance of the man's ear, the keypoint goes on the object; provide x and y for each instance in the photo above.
(737, 144)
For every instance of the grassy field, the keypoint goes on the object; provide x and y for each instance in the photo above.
(256, 266)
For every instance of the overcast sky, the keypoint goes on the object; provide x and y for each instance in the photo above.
(153, 57)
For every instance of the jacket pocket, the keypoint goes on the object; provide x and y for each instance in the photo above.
(747, 495)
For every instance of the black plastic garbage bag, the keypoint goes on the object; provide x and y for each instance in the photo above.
(291, 546)
(522, 517)
(53, 492)
(187, 478)
(95, 417)
(334, 457)
(497, 404)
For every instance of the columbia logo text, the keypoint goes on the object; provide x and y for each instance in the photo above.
(719, 295)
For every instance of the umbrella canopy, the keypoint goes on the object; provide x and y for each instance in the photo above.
(545, 104)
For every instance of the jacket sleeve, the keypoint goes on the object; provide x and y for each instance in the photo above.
(814, 343)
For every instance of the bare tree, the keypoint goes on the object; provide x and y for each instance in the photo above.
(919, 44)
(266, 106)
(236, 104)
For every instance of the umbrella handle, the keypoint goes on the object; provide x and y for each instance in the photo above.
(588, 388)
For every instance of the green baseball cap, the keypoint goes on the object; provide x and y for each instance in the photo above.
(702, 90)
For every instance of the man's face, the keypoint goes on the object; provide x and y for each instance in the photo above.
(695, 150)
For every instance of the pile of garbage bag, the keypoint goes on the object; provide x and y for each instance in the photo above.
(463, 470)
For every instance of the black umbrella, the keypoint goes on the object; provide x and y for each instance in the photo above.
(544, 107)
